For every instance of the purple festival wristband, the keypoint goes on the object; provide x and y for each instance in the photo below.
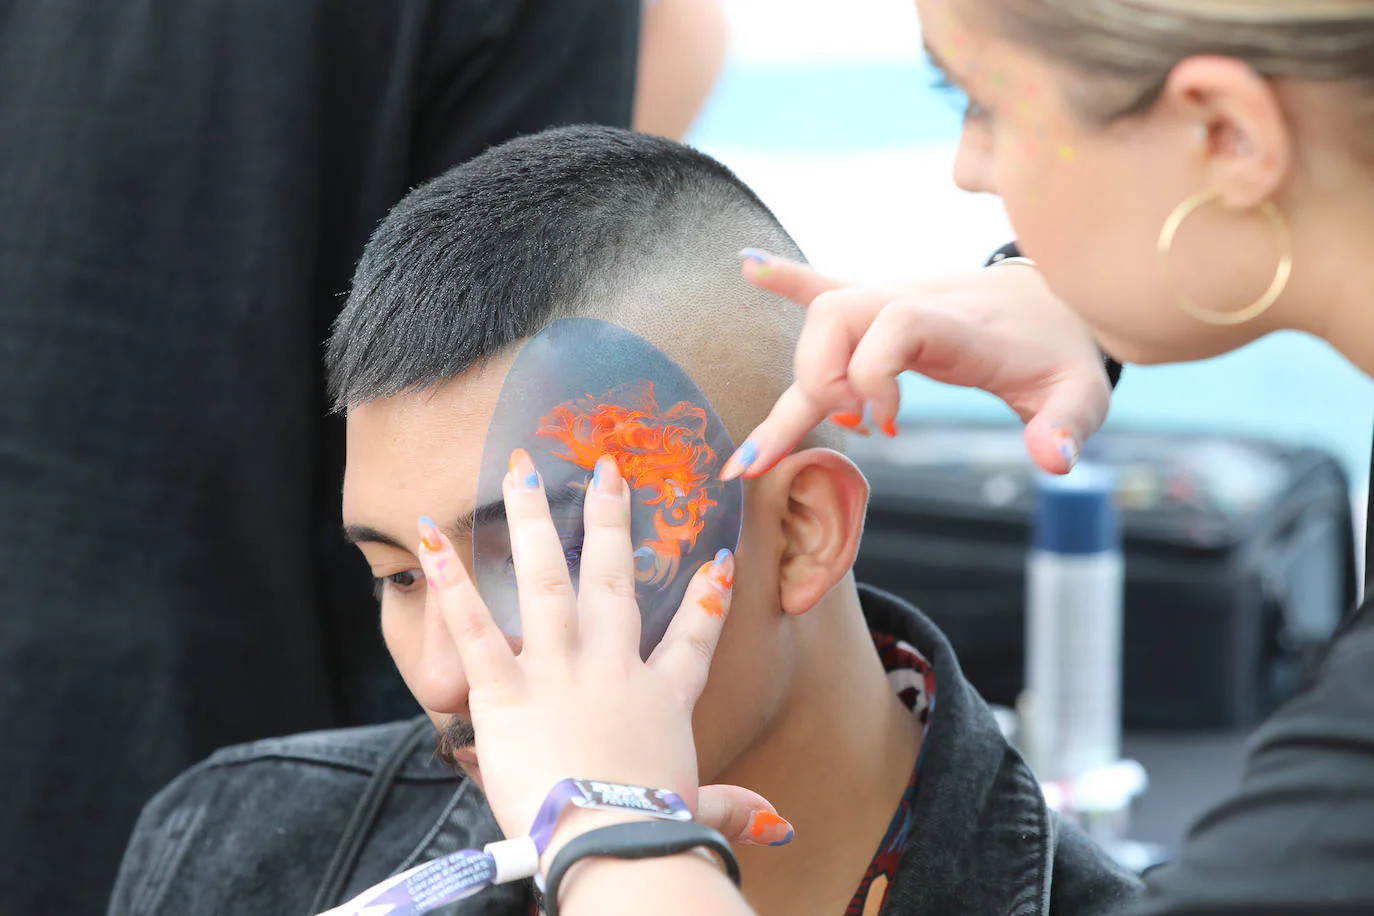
(469, 871)
(603, 796)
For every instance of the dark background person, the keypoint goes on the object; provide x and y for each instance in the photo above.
(186, 188)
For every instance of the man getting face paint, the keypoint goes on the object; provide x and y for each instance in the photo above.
(842, 706)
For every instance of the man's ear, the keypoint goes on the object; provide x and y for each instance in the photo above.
(822, 522)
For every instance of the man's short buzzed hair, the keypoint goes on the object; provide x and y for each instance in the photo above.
(576, 221)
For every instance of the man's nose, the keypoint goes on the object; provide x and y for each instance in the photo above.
(440, 684)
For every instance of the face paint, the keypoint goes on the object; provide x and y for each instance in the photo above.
(662, 454)
(583, 388)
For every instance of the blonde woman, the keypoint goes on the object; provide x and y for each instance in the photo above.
(1185, 176)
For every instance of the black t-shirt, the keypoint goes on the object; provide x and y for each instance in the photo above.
(185, 188)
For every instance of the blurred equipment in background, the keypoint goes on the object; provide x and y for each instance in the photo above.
(1069, 720)
(1070, 711)
(1239, 559)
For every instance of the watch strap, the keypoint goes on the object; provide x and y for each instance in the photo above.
(637, 840)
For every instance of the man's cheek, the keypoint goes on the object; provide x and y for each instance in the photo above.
(403, 641)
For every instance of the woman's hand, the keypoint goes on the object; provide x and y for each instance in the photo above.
(999, 329)
(577, 701)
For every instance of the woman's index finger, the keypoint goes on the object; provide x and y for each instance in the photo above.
(789, 279)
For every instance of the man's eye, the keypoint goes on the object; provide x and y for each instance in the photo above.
(400, 582)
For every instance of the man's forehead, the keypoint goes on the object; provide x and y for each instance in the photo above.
(419, 447)
(458, 409)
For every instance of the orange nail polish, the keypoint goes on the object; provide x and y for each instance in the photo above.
(768, 829)
(522, 469)
(713, 604)
(431, 539)
(848, 420)
(723, 569)
(890, 428)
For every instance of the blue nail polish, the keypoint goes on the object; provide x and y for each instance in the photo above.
(785, 840)
(596, 476)
(755, 255)
(748, 453)
(426, 520)
(532, 480)
(721, 555)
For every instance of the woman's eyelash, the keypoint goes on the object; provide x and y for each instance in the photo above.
(942, 84)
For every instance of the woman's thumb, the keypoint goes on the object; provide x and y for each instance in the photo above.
(742, 816)
(1074, 409)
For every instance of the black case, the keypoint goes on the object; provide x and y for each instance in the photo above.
(1239, 560)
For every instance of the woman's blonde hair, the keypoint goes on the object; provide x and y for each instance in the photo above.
(1130, 46)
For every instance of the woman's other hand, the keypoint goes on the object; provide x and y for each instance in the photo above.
(999, 329)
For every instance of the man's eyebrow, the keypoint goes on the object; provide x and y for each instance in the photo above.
(565, 497)
(360, 534)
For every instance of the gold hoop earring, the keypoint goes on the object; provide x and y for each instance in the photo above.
(1255, 309)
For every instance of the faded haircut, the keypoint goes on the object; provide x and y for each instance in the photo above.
(576, 221)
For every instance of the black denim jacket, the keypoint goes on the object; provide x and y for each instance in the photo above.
(256, 829)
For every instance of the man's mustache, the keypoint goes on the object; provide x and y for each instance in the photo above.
(455, 735)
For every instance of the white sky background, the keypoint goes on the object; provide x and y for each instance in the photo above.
(865, 214)
(823, 31)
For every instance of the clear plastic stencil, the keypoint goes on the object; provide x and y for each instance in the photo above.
(582, 388)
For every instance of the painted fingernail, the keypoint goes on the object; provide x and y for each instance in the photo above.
(740, 461)
(767, 829)
(723, 569)
(606, 477)
(889, 427)
(522, 469)
(442, 566)
(854, 422)
(762, 260)
(430, 537)
(1066, 444)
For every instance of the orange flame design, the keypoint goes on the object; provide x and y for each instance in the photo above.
(664, 452)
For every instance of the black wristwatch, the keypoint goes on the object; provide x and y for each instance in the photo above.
(1011, 250)
(637, 840)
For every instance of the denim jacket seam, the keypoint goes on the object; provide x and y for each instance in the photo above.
(1049, 845)
(363, 764)
(413, 857)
